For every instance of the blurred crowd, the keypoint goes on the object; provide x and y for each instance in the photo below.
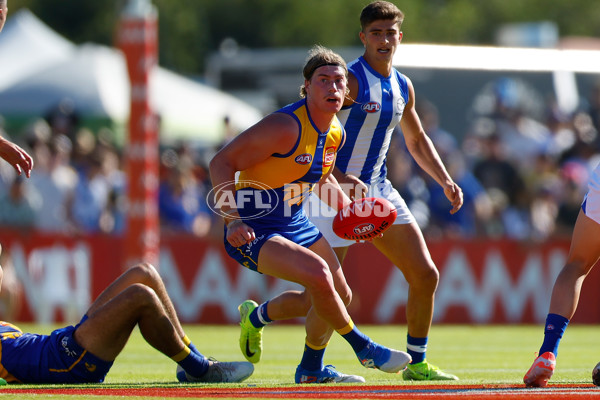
(524, 173)
(78, 184)
(523, 165)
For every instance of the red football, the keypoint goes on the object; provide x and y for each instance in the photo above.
(364, 219)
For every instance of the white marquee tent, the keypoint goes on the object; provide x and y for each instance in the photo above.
(95, 79)
(28, 45)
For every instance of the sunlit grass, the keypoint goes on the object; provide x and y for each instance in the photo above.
(492, 354)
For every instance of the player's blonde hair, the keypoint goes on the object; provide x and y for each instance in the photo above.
(320, 56)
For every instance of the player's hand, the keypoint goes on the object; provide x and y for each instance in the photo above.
(371, 238)
(454, 193)
(353, 186)
(239, 234)
(16, 156)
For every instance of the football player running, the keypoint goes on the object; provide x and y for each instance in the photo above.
(279, 160)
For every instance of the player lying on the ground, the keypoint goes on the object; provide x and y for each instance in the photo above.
(86, 352)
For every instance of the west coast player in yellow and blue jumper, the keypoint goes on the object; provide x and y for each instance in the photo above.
(283, 182)
(280, 159)
(84, 353)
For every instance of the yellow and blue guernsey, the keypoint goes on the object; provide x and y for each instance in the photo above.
(55, 358)
(270, 194)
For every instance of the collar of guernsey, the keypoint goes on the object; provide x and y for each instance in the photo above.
(292, 175)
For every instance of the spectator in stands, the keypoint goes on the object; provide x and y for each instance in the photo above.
(182, 203)
(53, 180)
(476, 203)
(594, 109)
(445, 142)
(494, 170)
(17, 209)
(90, 197)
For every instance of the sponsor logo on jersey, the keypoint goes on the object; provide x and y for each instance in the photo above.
(329, 156)
(371, 107)
(303, 159)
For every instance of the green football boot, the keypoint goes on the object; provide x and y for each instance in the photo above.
(424, 371)
(250, 337)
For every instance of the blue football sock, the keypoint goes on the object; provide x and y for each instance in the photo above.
(553, 332)
(259, 317)
(417, 348)
(189, 344)
(312, 359)
(356, 338)
(191, 362)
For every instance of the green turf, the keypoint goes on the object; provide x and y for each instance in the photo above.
(477, 354)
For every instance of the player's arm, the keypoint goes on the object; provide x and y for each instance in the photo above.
(16, 156)
(423, 151)
(276, 133)
(330, 192)
(352, 185)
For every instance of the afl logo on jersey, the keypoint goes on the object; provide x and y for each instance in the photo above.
(371, 107)
(303, 159)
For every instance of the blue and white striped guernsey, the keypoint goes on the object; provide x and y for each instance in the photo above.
(370, 121)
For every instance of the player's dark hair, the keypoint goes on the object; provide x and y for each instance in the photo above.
(379, 10)
(320, 56)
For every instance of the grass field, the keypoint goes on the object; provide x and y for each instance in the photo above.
(479, 355)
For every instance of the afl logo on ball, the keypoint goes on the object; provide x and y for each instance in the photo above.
(371, 107)
(304, 159)
(363, 228)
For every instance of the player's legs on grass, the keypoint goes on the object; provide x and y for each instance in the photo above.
(145, 274)
(403, 244)
(105, 329)
(292, 304)
(405, 247)
(583, 255)
(284, 259)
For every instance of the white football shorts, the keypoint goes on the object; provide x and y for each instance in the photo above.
(322, 215)
(591, 202)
